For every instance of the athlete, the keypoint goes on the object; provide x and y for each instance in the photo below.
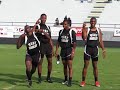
(67, 42)
(33, 50)
(46, 47)
(93, 38)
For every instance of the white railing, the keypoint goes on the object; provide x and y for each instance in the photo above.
(101, 25)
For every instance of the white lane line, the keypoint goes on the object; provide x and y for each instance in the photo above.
(10, 87)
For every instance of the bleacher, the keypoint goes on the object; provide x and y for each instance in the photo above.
(111, 13)
(30, 10)
(21, 12)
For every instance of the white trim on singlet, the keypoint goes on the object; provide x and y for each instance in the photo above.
(36, 38)
(85, 51)
(38, 26)
(70, 32)
(48, 27)
(26, 38)
(97, 46)
(97, 31)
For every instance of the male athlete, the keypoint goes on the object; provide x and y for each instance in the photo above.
(46, 47)
(93, 38)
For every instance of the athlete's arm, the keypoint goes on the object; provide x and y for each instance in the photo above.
(52, 46)
(38, 21)
(101, 43)
(73, 44)
(20, 41)
(84, 32)
(57, 47)
(35, 29)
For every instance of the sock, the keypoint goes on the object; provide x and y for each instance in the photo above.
(70, 79)
(28, 73)
(83, 78)
(39, 75)
(48, 76)
(33, 70)
(96, 78)
(65, 78)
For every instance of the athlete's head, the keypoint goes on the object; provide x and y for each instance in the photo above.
(66, 24)
(43, 18)
(27, 29)
(93, 22)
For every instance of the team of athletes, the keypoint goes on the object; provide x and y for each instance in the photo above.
(39, 43)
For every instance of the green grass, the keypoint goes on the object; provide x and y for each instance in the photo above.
(12, 71)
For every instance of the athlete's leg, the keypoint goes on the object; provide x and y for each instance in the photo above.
(49, 66)
(28, 63)
(84, 72)
(49, 59)
(95, 70)
(40, 66)
(33, 69)
(94, 64)
(86, 64)
(35, 60)
(65, 69)
(69, 63)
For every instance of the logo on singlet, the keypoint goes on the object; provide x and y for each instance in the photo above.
(45, 30)
(64, 39)
(93, 36)
(32, 45)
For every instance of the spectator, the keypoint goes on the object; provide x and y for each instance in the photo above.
(56, 22)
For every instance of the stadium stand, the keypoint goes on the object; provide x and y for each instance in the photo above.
(111, 13)
(19, 13)
(97, 9)
(30, 10)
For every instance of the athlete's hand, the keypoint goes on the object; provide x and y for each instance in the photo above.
(104, 54)
(38, 21)
(84, 25)
(23, 35)
(56, 53)
(40, 30)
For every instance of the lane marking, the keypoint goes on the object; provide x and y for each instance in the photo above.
(10, 87)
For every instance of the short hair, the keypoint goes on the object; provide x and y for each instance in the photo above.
(43, 15)
(25, 28)
(93, 18)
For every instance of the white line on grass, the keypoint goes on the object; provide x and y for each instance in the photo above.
(10, 87)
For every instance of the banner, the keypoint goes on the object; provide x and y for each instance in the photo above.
(18, 30)
(6, 31)
(11, 31)
(55, 31)
(117, 32)
(78, 31)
